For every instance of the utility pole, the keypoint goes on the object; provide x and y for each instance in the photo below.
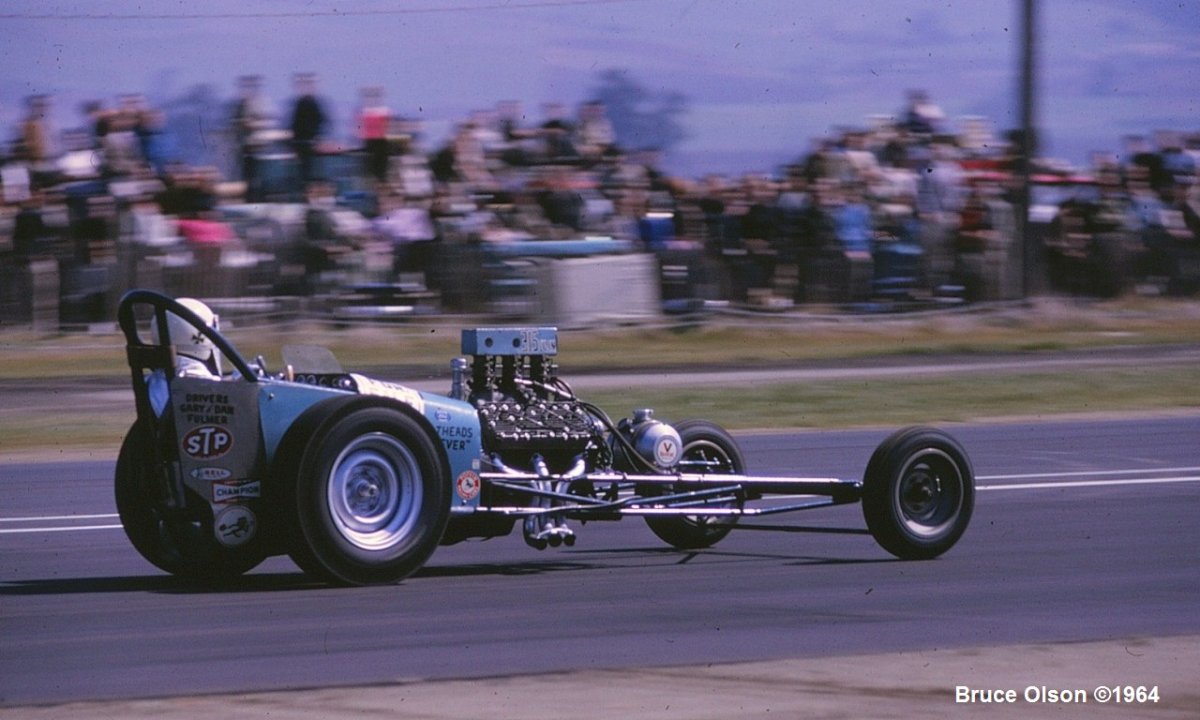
(1026, 151)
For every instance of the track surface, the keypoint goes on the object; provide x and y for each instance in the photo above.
(1083, 531)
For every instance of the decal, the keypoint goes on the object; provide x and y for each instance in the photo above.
(456, 437)
(534, 342)
(666, 451)
(406, 395)
(224, 492)
(207, 441)
(442, 416)
(235, 525)
(467, 485)
(211, 473)
(207, 409)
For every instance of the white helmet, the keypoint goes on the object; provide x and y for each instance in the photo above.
(189, 341)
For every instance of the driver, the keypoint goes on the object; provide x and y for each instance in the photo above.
(195, 354)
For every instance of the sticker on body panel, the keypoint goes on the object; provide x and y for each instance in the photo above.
(467, 485)
(235, 525)
(406, 395)
(229, 491)
(207, 442)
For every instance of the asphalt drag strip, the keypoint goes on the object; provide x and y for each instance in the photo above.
(1125, 678)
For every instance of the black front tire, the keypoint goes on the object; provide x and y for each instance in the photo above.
(372, 497)
(918, 493)
(707, 448)
(179, 543)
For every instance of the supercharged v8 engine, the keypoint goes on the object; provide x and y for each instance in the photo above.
(527, 412)
(532, 422)
(524, 409)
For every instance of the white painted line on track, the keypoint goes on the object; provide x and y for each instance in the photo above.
(14, 531)
(1170, 475)
(53, 518)
(56, 519)
(1117, 482)
(1091, 473)
(1090, 483)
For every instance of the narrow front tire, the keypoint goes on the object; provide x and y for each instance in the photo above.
(918, 493)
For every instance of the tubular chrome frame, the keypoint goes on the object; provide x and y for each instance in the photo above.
(616, 494)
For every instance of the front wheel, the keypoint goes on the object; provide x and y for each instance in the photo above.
(918, 493)
(707, 449)
(372, 498)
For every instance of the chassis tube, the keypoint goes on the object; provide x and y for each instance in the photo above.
(592, 512)
(842, 490)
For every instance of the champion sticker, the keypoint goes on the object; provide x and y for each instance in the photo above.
(467, 485)
(224, 492)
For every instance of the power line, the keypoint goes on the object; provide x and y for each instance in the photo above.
(480, 7)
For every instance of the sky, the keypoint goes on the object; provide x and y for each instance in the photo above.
(762, 77)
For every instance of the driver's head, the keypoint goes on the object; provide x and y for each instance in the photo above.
(188, 341)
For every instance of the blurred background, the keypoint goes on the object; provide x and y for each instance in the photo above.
(592, 162)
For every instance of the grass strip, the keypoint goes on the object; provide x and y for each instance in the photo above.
(957, 397)
(426, 349)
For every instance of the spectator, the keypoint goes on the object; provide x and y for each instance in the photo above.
(251, 119)
(1178, 167)
(594, 136)
(152, 139)
(940, 188)
(413, 177)
(36, 144)
(309, 123)
(556, 134)
(470, 160)
(188, 191)
(145, 228)
(921, 116)
(519, 142)
(122, 154)
(852, 222)
(374, 119)
(410, 232)
(99, 117)
(32, 237)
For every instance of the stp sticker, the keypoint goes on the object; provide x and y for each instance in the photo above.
(467, 485)
(207, 442)
(224, 492)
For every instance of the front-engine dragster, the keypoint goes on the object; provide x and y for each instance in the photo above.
(359, 480)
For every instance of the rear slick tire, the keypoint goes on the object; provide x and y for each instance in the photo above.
(168, 539)
(372, 498)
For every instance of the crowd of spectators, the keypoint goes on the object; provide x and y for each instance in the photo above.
(907, 204)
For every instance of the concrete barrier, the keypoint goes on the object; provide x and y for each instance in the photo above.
(590, 291)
